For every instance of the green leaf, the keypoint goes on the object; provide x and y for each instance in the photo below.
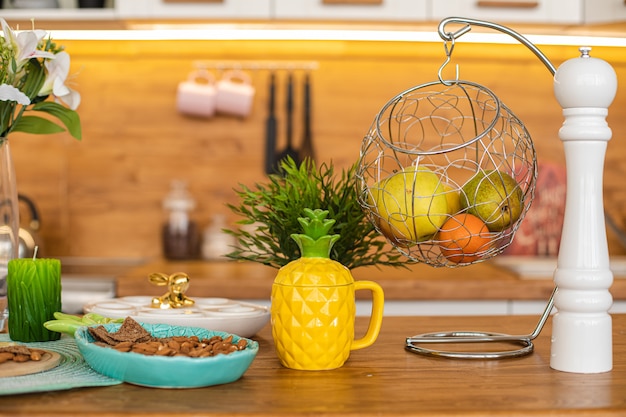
(36, 125)
(68, 117)
(35, 79)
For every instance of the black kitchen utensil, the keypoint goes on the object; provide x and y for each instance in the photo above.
(307, 150)
(289, 150)
(270, 128)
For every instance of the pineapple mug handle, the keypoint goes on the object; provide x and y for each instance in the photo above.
(376, 317)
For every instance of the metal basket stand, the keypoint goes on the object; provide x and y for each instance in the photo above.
(414, 344)
(582, 329)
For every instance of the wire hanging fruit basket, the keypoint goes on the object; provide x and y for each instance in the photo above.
(447, 173)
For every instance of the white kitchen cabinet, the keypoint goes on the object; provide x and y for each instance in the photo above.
(429, 307)
(602, 11)
(532, 11)
(460, 307)
(226, 9)
(468, 308)
(67, 10)
(505, 11)
(437, 308)
(537, 307)
(523, 11)
(407, 10)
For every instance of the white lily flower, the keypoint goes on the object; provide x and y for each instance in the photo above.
(18, 50)
(58, 70)
(10, 93)
(25, 44)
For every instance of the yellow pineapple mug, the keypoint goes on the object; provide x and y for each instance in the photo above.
(313, 311)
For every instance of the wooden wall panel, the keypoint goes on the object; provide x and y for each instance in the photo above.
(102, 197)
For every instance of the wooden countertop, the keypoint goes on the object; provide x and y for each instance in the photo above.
(245, 280)
(382, 380)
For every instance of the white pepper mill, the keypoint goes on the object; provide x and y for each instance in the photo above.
(582, 327)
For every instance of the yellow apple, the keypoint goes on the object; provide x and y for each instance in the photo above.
(453, 198)
(411, 205)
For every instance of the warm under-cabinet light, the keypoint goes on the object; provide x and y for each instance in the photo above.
(231, 32)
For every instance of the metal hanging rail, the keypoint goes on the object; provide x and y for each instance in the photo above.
(257, 65)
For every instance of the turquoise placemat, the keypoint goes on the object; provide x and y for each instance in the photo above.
(72, 372)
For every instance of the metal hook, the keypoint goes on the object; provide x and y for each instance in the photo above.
(448, 59)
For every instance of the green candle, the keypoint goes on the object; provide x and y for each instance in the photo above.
(34, 295)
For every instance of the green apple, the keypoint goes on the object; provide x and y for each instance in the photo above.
(411, 205)
(495, 197)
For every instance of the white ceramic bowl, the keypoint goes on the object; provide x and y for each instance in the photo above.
(220, 314)
(163, 371)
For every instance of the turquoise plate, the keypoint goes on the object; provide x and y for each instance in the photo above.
(166, 372)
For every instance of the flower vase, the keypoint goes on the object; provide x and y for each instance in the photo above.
(9, 223)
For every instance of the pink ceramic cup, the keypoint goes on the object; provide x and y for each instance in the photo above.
(235, 94)
(197, 96)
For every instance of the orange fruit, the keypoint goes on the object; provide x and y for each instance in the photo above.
(464, 238)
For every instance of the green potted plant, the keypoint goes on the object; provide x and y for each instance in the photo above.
(270, 213)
